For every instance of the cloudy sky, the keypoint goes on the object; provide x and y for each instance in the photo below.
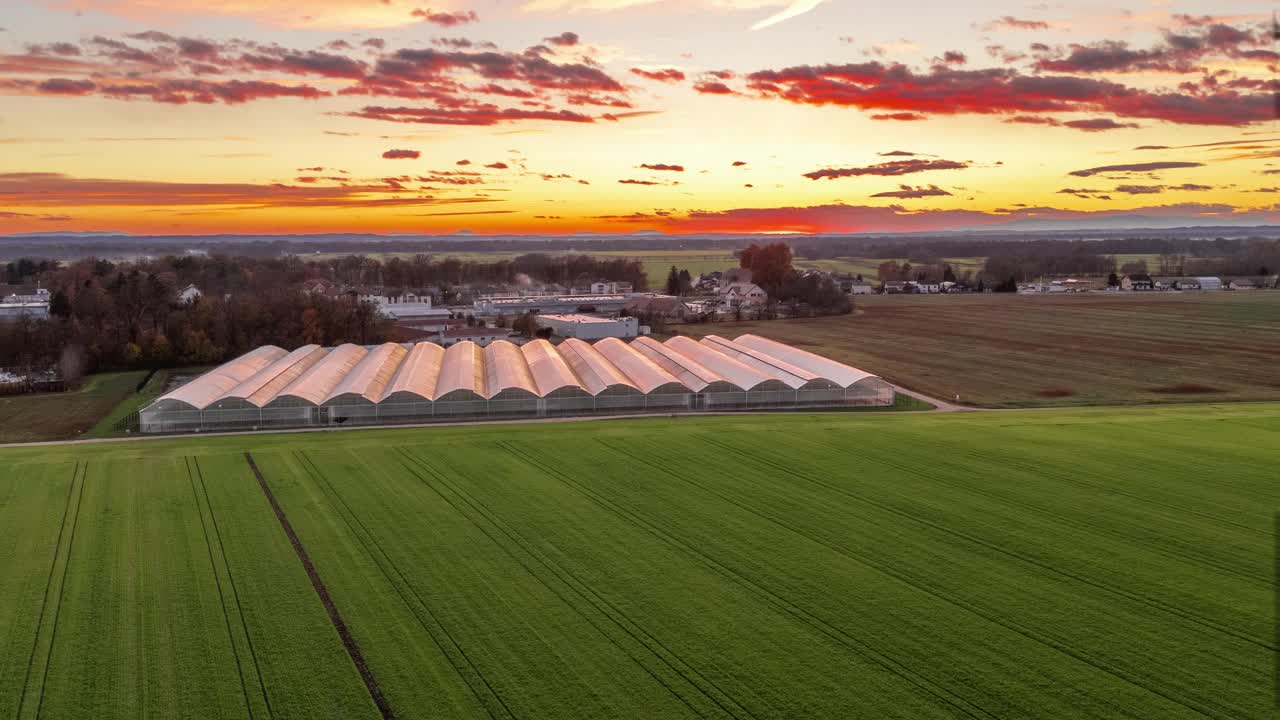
(561, 116)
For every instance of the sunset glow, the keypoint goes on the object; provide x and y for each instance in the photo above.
(622, 116)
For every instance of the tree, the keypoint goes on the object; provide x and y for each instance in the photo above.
(526, 324)
(686, 281)
(673, 281)
(1113, 280)
(71, 365)
(947, 274)
(60, 305)
(770, 265)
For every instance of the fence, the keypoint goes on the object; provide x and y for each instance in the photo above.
(169, 420)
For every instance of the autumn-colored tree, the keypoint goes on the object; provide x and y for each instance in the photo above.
(770, 265)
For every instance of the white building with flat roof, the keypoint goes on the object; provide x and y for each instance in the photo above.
(590, 327)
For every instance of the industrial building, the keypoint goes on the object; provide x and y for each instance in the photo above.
(590, 327)
(424, 382)
(520, 304)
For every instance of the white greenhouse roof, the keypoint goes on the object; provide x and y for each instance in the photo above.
(427, 372)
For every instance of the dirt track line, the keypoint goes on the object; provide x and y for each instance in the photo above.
(369, 546)
(62, 590)
(317, 584)
(571, 581)
(235, 591)
(222, 598)
(935, 690)
(44, 603)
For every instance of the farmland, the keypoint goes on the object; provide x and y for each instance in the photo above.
(1078, 563)
(1083, 349)
(64, 415)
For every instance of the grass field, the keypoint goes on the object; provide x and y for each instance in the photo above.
(59, 416)
(1010, 351)
(697, 262)
(1075, 563)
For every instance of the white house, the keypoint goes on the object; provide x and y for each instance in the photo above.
(1242, 284)
(610, 287)
(1209, 283)
(743, 294)
(860, 288)
(1137, 281)
(189, 294)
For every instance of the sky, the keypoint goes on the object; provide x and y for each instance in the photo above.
(624, 116)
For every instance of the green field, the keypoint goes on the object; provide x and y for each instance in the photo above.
(1083, 349)
(1074, 563)
(697, 262)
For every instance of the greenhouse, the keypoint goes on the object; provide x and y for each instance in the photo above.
(420, 383)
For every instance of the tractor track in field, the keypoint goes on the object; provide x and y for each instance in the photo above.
(317, 583)
(235, 592)
(584, 591)
(469, 679)
(76, 474)
(62, 590)
(1180, 556)
(1029, 633)
(934, 690)
(222, 599)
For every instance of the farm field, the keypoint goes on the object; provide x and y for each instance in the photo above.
(59, 416)
(1018, 351)
(658, 262)
(1074, 563)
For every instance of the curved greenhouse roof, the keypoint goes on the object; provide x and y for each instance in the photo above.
(426, 372)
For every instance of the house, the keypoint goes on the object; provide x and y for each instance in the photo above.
(1242, 284)
(668, 307)
(860, 288)
(189, 294)
(1209, 283)
(481, 336)
(743, 294)
(590, 327)
(895, 287)
(24, 294)
(927, 288)
(1137, 281)
(953, 287)
(610, 287)
(1176, 283)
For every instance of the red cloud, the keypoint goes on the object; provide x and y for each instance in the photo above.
(662, 166)
(479, 115)
(888, 169)
(739, 163)
(498, 166)
(670, 75)
(564, 39)
(713, 88)
(900, 116)
(401, 155)
(446, 19)
(947, 91)
(63, 86)
(1087, 125)
(1013, 23)
(906, 192)
(57, 190)
(1134, 167)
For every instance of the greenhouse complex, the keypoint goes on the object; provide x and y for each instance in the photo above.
(423, 382)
